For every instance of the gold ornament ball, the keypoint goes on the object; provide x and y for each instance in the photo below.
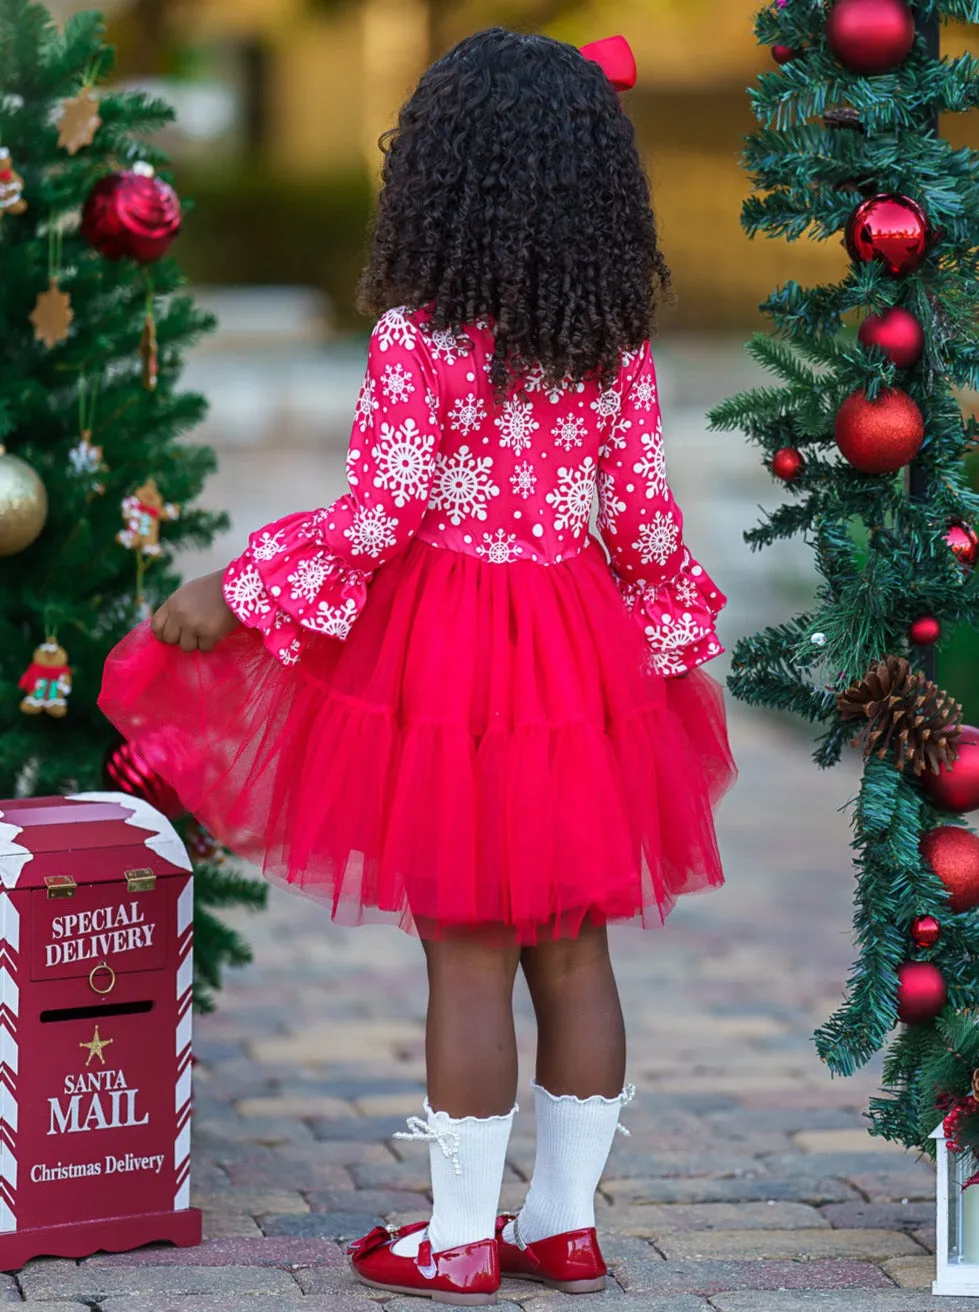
(23, 504)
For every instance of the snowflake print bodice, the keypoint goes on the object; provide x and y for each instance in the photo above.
(434, 456)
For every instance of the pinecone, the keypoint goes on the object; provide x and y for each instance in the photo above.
(844, 118)
(905, 714)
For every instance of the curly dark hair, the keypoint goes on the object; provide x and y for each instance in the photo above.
(513, 189)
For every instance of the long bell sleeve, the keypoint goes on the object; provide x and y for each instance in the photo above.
(668, 592)
(308, 573)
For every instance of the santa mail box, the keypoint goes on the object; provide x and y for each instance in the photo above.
(96, 973)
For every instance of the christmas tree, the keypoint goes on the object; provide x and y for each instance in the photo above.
(865, 431)
(96, 489)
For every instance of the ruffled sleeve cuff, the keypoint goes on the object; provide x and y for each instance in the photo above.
(678, 618)
(288, 586)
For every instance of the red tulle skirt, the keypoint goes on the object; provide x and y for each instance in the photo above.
(486, 752)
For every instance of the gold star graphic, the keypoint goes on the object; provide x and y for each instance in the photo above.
(79, 122)
(52, 315)
(95, 1046)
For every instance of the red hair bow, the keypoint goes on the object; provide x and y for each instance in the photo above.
(614, 56)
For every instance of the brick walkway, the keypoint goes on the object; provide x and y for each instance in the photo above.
(748, 1185)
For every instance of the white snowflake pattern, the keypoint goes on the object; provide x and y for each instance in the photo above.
(500, 548)
(396, 384)
(630, 357)
(463, 485)
(371, 531)
(573, 496)
(307, 579)
(523, 480)
(467, 415)
(446, 345)
(367, 403)
(405, 458)
(395, 329)
(245, 593)
(609, 505)
(290, 655)
(686, 590)
(536, 381)
(607, 405)
(353, 465)
(658, 539)
(334, 621)
(670, 641)
(569, 432)
(616, 439)
(268, 546)
(643, 395)
(433, 405)
(516, 425)
(652, 466)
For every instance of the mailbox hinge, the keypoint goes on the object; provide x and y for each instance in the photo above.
(60, 885)
(140, 881)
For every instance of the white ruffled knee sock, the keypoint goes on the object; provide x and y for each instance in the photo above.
(574, 1139)
(467, 1159)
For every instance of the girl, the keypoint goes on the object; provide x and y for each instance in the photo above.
(436, 702)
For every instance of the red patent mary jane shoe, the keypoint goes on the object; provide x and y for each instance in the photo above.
(468, 1276)
(571, 1262)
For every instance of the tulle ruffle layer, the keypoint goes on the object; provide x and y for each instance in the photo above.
(486, 752)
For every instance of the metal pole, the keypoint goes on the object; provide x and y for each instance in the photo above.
(930, 29)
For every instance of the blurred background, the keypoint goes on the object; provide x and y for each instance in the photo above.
(280, 104)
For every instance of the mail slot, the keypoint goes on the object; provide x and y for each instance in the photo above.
(96, 976)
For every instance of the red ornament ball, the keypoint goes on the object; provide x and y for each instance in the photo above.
(882, 436)
(785, 54)
(924, 631)
(925, 931)
(788, 463)
(921, 992)
(898, 334)
(891, 228)
(870, 36)
(133, 214)
(964, 542)
(953, 854)
(956, 788)
(126, 769)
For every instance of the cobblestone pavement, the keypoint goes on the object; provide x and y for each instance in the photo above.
(749, 1183)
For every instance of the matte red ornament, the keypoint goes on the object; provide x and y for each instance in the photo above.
(882, 436)
(898, 334)
(925, 931)
(921, 992)
(891, 228)
(788, 463)
(870, 36)
(133, 213)
(126, 769)
(953, 854)
(956, 788)
(785, 54)
(964, 542)
(924, 631)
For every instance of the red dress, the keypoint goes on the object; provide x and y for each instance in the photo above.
(444, 707)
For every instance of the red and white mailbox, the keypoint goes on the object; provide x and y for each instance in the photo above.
(96, 974)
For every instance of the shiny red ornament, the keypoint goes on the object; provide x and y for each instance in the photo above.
(964, 542)
(870, 36)
(133, 213)
(894, 229)
(788, 463)
(921, 992)
(953, 854)
(925, 931)
(924, 631)
(898, 334)
(785, 54)
(126, 770)
(882, 436)
(956, 788)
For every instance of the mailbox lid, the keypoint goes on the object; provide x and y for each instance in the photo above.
(93, 837)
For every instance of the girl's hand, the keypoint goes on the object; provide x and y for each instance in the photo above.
(196, 616)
